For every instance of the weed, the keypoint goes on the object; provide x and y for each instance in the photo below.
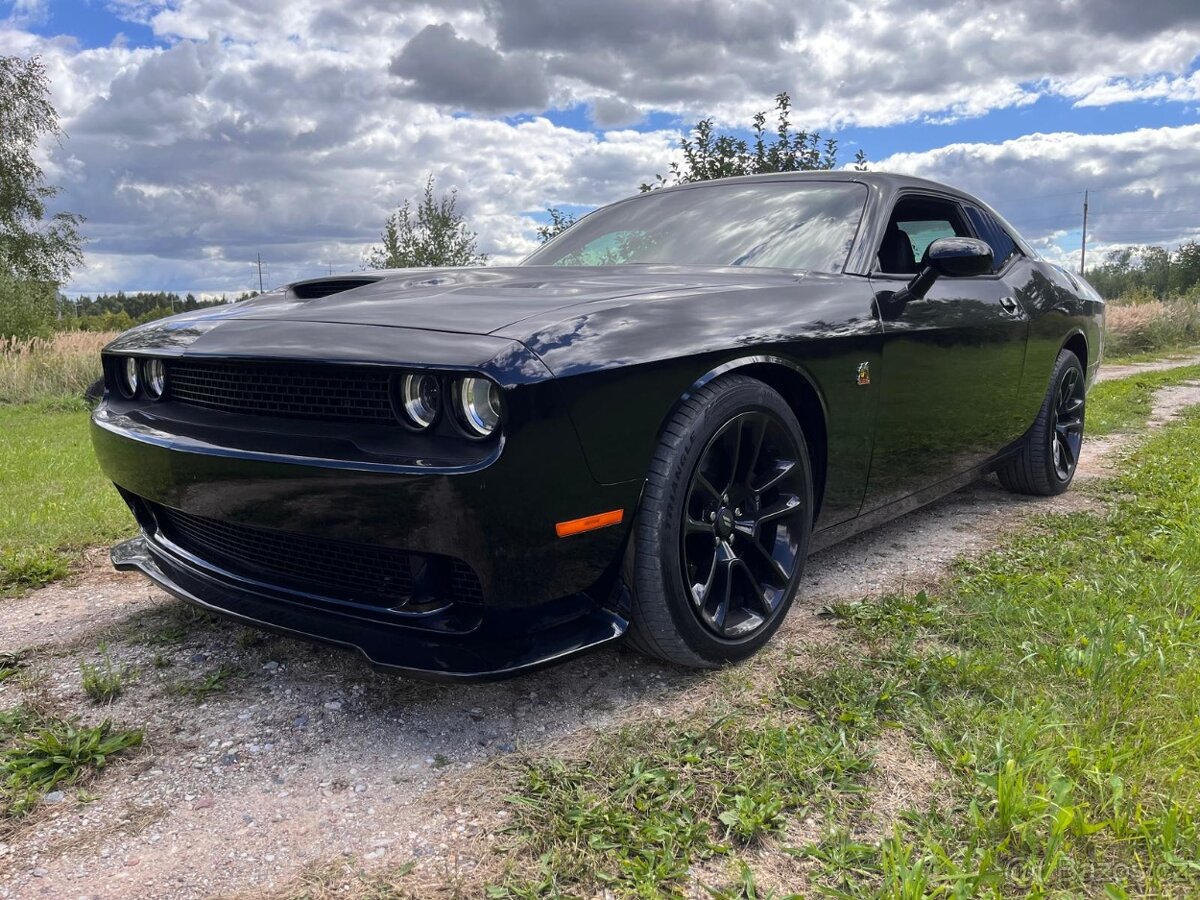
(200, 689)
(11, 665)
(102, 682)
(59, 752)
(32, 567)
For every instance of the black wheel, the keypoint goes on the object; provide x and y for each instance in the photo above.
(1045, 463)
(722, 533)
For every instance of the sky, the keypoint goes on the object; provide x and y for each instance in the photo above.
(199, 134)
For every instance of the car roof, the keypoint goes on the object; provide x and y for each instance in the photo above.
(887, 182)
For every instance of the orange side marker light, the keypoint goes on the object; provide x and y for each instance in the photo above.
(590, 523)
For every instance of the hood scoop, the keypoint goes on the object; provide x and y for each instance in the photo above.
(325, 287)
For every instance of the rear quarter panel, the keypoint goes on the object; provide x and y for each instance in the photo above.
(1060, 306)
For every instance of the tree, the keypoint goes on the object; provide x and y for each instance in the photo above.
(559, 222)
(708, 154)
(32, 248)
(432, 235)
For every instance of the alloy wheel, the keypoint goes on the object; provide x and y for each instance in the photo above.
(744, 527)
(1067, 436)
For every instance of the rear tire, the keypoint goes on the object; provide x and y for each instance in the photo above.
(719, 544)
(1049, 453)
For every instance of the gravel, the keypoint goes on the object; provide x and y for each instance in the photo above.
(308, 755)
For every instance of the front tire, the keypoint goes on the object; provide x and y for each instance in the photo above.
(1045, 463)
(721, 537)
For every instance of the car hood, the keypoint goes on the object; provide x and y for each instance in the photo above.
(475, 300)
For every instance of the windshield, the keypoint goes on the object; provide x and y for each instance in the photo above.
(786, 224)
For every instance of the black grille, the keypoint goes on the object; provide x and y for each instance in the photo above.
(362, 573)
(332, 393)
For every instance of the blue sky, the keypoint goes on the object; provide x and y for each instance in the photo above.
(201, 133)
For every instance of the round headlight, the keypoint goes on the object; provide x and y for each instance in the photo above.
(154, 376)
(421, 396)
(128, 376)
(479, 400)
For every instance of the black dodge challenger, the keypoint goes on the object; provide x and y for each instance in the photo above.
(643, 429)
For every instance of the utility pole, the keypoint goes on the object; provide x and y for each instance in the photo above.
(1083, 244)
(260, 284)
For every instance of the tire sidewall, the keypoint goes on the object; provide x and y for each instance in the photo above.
(662, 532)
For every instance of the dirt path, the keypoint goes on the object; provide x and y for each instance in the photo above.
(300, 755)
(1108, 373)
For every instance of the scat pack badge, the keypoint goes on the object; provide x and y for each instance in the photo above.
(864, 373)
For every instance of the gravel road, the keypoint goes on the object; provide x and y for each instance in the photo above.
(297, 756)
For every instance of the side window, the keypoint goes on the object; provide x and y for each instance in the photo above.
(989, 230)
(917, 222)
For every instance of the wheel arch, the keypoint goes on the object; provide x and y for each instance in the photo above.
(800, 392)
(1077, 343)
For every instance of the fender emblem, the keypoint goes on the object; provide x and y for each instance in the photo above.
(864, 373)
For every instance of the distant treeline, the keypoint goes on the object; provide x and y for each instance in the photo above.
(1149, 273)
(116, 312)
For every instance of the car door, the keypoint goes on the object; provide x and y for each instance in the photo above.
(951, 361)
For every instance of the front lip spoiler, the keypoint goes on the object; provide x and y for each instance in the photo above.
(389, 648)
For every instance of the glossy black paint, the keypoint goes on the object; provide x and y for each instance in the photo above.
(591, 362)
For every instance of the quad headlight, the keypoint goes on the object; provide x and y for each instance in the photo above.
(127, 377)
(154, 378)
(421, 398)
(479, 406)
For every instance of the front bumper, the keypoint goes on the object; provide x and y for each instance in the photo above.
(478, 656)
(539, 597)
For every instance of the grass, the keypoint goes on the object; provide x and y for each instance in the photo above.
(1123, 404)
(201, 688)
(1153, 326)
(1056, 682)
(56, 501)
(102, 682)
(40, 754)
(40, 370)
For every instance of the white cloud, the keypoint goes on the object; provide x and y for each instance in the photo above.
(293, 126)
(1144, 185)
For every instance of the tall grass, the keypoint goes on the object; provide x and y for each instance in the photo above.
(1140, 327)
(41, 369)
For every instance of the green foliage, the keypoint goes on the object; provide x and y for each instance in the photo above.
(26, 308)
(56, 501)
(121, 311)
(434, 234)
(1149, 273)
(708, 154)
(52, 753)
(559, 222)
(31, 567)
(31, 247)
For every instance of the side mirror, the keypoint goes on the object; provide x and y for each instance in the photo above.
(954, 257)
(958, 257)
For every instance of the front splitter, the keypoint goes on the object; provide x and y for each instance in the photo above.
(471, 657)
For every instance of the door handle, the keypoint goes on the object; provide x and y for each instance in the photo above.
(1009, 304)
